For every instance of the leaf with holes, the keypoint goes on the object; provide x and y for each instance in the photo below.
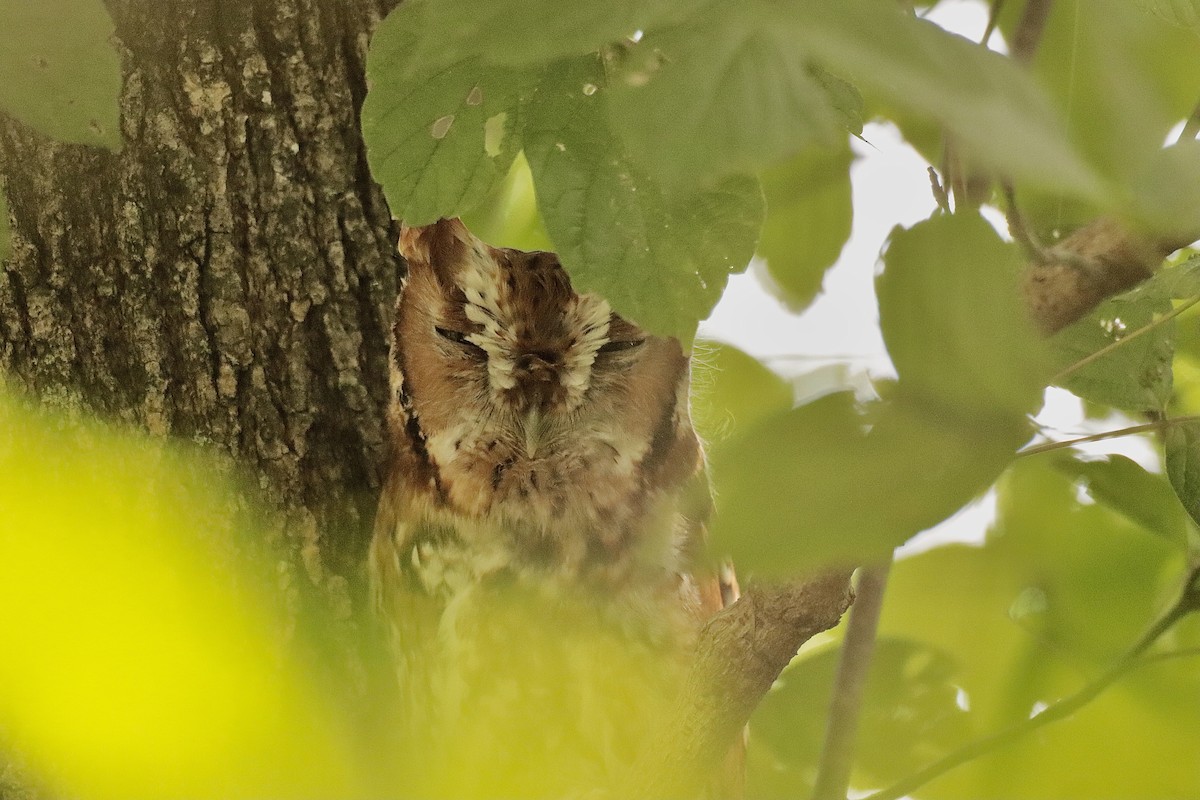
(661, 257)
(438, 141)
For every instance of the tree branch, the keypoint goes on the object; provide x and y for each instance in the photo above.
(854, 665)
(1094, 263)
(741, 652)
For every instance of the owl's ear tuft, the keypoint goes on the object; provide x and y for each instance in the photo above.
(442, 246)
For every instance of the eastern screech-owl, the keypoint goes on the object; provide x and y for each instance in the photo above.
(539, 525)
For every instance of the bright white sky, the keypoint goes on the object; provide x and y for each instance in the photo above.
(838, 336)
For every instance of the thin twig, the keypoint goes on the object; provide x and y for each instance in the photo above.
(993, 21)
(1029, 31)
(1185, 604)
(1103, 351)
(1099, 437)
(850, 685)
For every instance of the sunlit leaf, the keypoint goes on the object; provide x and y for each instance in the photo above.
(731, 391)
(59, 71)
(508, 215)
(141, 656)
(438, 140)
(809, 215)
(1125, 486)
(909, 714)
(660, 258)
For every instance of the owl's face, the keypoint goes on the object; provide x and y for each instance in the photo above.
(522, 399)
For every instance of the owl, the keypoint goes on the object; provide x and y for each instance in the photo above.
(539, 531)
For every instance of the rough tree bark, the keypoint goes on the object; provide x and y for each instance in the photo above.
(229, 276)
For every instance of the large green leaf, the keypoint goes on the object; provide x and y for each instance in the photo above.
(529, 32)
(809, 216)
(1123, 78)
(661, 257)
(1125, 486)
(954, 325)
(822, 485)
(59, 71)
(729, 90)
(438, 140)
(812, 487)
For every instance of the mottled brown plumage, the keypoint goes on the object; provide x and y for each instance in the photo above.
(538, 530)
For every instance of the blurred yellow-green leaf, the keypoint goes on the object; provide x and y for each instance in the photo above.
(141, 654)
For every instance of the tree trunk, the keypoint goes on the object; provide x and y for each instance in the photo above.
(229, 276)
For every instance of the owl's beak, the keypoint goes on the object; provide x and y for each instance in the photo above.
(533, 430)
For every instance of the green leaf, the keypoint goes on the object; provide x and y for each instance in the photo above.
(970, 371)
(909, 714)
(998, 117)
(811, 488)
(726, 92)
(1182, 444)
(1124, 79)
(809, 216)
(1125, 486)
(500, 30)
(1184, 13)
(59, 71)
(732, 89)
(1135, 376)
(731, 391)
(661, 258)
(438, 140)
(954, 325)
